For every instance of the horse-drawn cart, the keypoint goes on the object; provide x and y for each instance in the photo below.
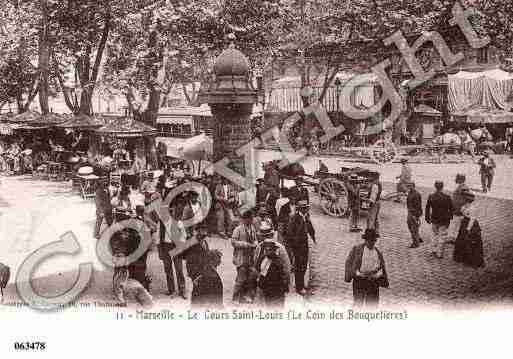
(333, 192)
(330, 187)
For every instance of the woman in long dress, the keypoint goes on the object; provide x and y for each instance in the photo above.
(468, 247)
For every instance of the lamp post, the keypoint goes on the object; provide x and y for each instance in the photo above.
(338, 83)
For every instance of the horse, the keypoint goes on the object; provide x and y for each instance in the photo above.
(480, 134)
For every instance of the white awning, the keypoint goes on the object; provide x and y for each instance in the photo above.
(203, 111)
(496, 74)
(174, 120)
(173, 145)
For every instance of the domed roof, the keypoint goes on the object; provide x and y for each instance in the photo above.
(231, 62)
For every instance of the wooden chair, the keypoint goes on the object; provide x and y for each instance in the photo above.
(88, 185)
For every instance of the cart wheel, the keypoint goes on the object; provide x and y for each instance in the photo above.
(333, 197)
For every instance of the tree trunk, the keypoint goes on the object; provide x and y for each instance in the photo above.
(88, 76)
(86, 99)
(152, 110)
(44, 59)
(327, 82)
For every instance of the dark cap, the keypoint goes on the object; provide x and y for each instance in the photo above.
(370, 234)
(460, 178)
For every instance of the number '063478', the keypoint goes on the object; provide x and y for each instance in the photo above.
(32, 346)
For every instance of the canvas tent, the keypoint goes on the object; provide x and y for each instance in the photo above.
(481, 96)
(285, 92)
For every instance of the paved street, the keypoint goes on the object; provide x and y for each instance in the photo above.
(34, 212)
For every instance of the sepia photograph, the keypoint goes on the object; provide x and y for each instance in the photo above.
(337, 163)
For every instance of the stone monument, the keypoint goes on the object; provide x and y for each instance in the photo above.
(231, 97)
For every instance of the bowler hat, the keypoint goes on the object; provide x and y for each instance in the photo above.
(353, 177)
(370, 234)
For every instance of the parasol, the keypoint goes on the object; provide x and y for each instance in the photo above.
(126, 128)
(197, 148)
(5, 117)
(82, 122)
(53, 119)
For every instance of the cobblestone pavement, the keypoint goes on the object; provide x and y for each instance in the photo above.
(34, 212)
(417, 278)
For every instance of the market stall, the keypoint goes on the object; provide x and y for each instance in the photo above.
(131, 145)
(424, 124)
(82, 150)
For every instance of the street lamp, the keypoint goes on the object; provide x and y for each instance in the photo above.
(338, 83)
(337, 86)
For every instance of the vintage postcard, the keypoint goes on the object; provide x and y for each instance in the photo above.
(224, 163)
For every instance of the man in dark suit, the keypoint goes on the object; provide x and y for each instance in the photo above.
(487, 171)
(300, 192)
(414, 206)
(365, 267)
(103, 207)
(299, 229)
(439, 212)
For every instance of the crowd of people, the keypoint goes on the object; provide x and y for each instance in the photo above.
(269, 242)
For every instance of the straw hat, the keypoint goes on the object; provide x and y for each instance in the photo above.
(266, 231)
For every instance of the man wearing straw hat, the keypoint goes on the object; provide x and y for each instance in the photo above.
(273, 272)
(267, 234)
(365, 267)
(244, 242)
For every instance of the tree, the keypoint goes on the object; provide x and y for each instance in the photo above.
(44, 58)
(19, 76)
(79, 33)
(495, 19)
(176, 43)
